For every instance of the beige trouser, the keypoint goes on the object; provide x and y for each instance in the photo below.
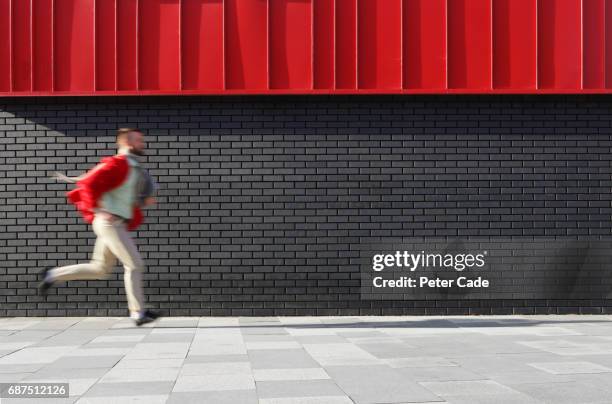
(113, 242)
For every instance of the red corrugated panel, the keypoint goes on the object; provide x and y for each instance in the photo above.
(202, 44)
(346, 44)
(106, 47)
(469, 44)
(291, 44)
(127, 45)
(594, 43)
(42, 45)
(608, 42)
(159, 45)
(424, 38)
(106, 58)
(246, 44)
(380, 44)
(323, 43)
(73, 45)
(514, 47)
(6, 39)
(22, 46)
(560, 44)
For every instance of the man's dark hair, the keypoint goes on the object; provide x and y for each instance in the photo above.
(123, 132)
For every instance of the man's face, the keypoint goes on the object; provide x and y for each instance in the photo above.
(136, 143)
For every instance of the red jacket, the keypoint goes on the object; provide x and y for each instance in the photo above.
(105, 176)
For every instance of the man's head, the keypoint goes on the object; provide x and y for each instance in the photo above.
(131, 139)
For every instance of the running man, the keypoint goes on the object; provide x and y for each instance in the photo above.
(109, 197)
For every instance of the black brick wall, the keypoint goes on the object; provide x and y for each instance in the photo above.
(264, 200)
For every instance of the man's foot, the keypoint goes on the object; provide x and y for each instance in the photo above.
(45, 284)
(152, 314)
(146, 317)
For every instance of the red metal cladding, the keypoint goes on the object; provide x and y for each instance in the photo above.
(514, 50)
(424, 45)
(109, 47)
(202, 36)
(42, 45)
(560, 26)
(73, 45)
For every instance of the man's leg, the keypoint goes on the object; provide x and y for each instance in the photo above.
(101, 265)
(118, 240)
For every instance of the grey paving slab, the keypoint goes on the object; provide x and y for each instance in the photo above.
(570, 392)
(309, 331)
(128, 331)
(54, 323)
(340, 320)
(69, 373)
(216, 368)
(530, 376)
(340, 354)
(564, 346)
(96, 323)
(70, 337)
(177, 322)
(13, 377)
(149, 363)
(169, 337)
(604, 360)
(361, 334)
(378, 384)
(216, 382)
(30, 335)
(129, 389)
(8, 347)
(105, 338)
(477, 391)
(492, 364)
(110, 345)
(273, 345)
(75, 362)
(155, 350)
(282, 358)
(5, 352)
(262, 375)
(267, 337)
(308, 400)
(270, 330)
(217, 397)
(21, 367)
(36, 355)
(217, 358)
(298, 388)
(570, 367)
(598, 380)
(17, 323)
(389, 350)
(143, 399)
(131, 375)
(439, 373)
(319, 339)
(88, 352)
(419, 361)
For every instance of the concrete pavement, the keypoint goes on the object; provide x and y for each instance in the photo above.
(327, 360)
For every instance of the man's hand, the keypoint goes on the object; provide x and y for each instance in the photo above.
(149, 201)
(65, 178)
